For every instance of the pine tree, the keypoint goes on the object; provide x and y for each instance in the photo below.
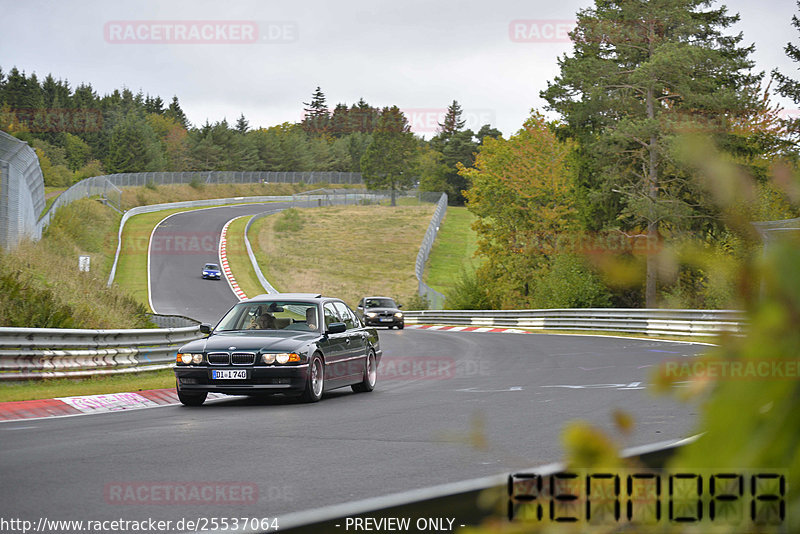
(362, 117)
(242, 124)
(452, 121)
(789, 87)
(457, 146)
(640, 71)
(134, 147)
(316, 118)
(153, 105)
(340, 121)
(175, 112)
(389, 159)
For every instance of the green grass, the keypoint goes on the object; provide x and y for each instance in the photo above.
(404, 201)
(131, 275)
(239, 261)
(343, 251)
(261, 258)
(50, 196)
(453, 249)
(66, 387)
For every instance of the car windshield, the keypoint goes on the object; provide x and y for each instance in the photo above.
(271, 315)
(211, 267)
(379, 303)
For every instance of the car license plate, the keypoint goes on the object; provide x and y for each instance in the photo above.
(229, 374)
(386, 319)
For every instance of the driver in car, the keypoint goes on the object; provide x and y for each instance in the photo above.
(263, 320)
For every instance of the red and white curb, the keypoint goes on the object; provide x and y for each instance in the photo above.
(223, 261)
(445, 328)
(90, 404)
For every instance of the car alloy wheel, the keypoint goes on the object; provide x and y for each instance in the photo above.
(316, 380)
(370, 375)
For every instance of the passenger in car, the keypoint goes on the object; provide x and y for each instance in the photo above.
(308, 325)
(264, 321)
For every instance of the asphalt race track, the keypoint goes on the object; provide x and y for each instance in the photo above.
(179, 248)
(448, 406)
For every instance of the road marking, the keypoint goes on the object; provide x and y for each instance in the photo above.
(476, 390)
(632, 385)
(223, 260)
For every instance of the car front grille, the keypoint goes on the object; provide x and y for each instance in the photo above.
(218, 358)
(243, 358)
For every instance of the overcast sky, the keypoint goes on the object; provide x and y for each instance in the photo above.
(418, 55)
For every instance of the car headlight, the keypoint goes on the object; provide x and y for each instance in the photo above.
(197, 358)
(372, 315)
(399, 315)
(184, 357)
(280, 357)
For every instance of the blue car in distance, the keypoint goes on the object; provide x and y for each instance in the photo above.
(211, 271)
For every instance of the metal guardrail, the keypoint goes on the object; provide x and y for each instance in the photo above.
(629, 320)
(269, 288)
(172, 321)
(435, 298)
(33, 353)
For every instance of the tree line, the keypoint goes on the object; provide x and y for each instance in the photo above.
(77, 133)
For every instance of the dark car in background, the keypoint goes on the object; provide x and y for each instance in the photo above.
(211, 271)
(381, 311)
(298, 344)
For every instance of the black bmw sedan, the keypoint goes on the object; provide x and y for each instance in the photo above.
(299, 344)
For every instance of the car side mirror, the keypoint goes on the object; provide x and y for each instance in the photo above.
(336, 328)
(359, 307)
(205, 328)
(399, 306)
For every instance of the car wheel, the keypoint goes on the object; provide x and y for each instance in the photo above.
(316, 380)
(391, 326)
(370, 375)
(401, 326)
(192, 399)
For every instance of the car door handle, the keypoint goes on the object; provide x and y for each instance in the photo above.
(347, 340)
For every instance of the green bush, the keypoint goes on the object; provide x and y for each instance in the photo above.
(197, 183)
(289, 221)
(25, 306)
(416, 302)
(468, 293)
(570, 283)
